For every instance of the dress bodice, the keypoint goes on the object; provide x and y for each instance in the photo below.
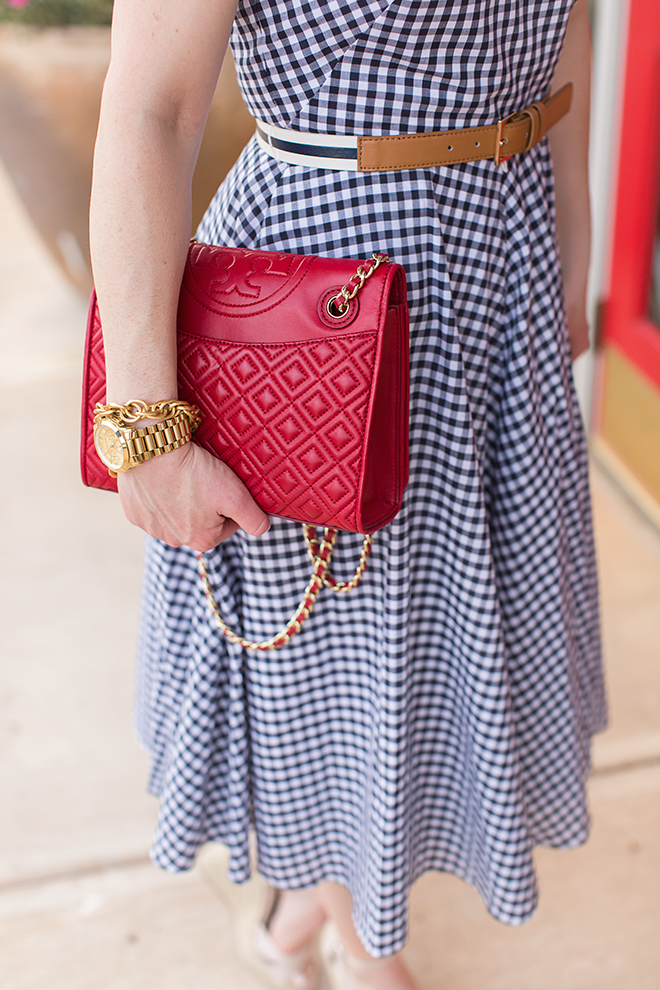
(419, 65)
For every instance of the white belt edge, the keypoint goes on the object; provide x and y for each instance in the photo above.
(347, 141)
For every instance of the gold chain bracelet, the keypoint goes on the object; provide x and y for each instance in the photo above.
(137, 409)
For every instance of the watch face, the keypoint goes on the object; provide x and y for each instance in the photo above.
(110, 446)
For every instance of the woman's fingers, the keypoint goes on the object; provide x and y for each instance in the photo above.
(189, 497)
(578, 326)
(236, 502)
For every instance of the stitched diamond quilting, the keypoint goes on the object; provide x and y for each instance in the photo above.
(264, 453)
(94, 472)
(324, 352)
(345, 382)
(195, 364)
(336, 489)
(294, 375)
(312, 510)
(266, 399)
(290, 429)
(284, 488)
(316, 406)
(288, 482)
(219, 392)
(243, 368)
(340, 436)
(240, 422)
(287, 417)
(313, 458)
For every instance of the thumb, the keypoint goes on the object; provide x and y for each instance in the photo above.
(237, 504)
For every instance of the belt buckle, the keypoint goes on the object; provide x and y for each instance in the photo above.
(500, 141)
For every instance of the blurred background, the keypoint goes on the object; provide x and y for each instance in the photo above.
(80, 905)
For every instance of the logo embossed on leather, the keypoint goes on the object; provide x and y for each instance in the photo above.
(251, 278)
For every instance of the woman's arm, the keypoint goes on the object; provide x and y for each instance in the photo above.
(569, 143)
(166, 57)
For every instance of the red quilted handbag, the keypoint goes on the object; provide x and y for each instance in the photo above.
(310, 409)
(299, 365)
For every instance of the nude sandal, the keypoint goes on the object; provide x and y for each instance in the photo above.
(344, 970)
(301, 970)
(252, 906)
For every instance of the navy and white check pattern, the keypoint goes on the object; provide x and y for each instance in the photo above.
(439, 716)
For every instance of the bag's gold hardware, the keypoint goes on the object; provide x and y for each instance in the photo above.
(331, 309)
(320, 554)
(348, 292)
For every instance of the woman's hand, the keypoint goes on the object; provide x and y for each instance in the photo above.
(575, 299)
(189, 497)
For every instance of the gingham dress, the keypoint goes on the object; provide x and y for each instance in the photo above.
(439, 716)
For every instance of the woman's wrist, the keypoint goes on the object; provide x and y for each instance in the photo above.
(127, 435)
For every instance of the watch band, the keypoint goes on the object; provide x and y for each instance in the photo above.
(159, 438)
(123, 447)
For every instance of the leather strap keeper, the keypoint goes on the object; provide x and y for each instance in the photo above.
(516, 133)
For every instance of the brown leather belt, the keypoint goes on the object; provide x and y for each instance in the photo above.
(514, 134)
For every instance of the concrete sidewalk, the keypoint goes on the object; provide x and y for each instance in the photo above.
(81, 908)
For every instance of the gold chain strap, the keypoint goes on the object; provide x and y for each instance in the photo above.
(321, 554)
(313, 550)
(349, 291)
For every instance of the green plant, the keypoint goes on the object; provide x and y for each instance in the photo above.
(51, 13)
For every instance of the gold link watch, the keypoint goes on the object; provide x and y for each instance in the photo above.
(122, 445)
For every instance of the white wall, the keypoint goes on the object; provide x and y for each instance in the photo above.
(610, 21)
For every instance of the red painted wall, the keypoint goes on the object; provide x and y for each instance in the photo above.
(626, 322)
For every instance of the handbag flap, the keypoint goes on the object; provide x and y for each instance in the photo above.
(244, 296)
